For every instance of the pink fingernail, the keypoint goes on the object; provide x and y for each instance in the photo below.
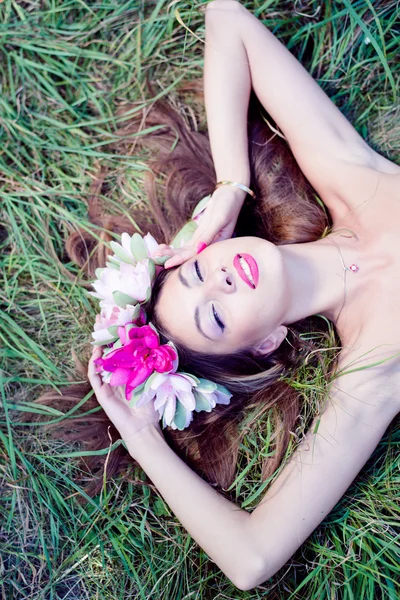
(200, 247)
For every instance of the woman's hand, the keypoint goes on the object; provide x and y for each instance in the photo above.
(217, 223)
(130, 422)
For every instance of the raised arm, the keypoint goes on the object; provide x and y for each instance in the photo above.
(250, 548)
(241, 52)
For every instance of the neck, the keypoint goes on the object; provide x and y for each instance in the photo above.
(316, 277)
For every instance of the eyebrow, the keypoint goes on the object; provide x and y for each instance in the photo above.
(185, 282)
(197, 321)
(183, 279)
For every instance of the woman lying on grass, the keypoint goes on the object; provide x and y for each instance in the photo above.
(233, 312)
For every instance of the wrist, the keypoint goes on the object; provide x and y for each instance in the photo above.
(229, 191)
(144, 442)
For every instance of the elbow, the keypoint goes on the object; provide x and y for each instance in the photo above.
(250, 574)
(221, 7)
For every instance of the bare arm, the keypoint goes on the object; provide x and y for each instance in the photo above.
(241, 52)
(250, 548)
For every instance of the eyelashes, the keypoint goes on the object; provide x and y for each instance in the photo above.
(196, 266)
(217, 319)
(216, 316)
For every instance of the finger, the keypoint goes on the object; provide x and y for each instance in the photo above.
(93, 376)
(178, 259)
(162, 250)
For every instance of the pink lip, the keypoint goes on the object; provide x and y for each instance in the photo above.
(252, 266)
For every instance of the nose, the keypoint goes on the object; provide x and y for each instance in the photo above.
(223, 280)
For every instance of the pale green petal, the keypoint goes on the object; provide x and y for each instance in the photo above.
(122, 299)
(205, 385)
(121, 254)
(184, 234)
(201, 206)
(138, 247)
(113, 330)
(152, 270)
(160, 260)
(180, 416)
(112, 265)
(201, 402)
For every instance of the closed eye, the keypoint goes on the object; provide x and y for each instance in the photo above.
(198, 273)
(217, 319)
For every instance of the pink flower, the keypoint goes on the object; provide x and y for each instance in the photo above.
(114, 316)
(139, 357)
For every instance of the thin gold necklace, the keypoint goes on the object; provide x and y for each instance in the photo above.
(354, 268)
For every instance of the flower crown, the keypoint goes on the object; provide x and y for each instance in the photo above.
(133, 356)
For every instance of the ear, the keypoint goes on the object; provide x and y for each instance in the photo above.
(272, 342)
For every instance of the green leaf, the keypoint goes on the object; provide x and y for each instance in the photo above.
(134, 398)
(113, 330)
(122, 299)
(138, 247)
(180, 416)
(206, 385)
(121, 253)
(184, 235)
(112, 265)
(148, 381)
(223, 390)
(201, 205)
(98, 272)
(196, 379)
(152, 269)
(160, 260)
(107, 351)
(201, 402)
(136, 312)
(98, 344)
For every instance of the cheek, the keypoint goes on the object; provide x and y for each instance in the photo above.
(250, 319)
(247, 326)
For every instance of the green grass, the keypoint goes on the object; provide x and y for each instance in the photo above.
(64, 67)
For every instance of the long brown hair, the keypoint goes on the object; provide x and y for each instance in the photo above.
(285, 212)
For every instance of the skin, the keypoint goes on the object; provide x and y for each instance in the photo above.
(226, 304)
(360, 188)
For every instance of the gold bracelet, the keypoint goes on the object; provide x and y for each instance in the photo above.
(238, 185)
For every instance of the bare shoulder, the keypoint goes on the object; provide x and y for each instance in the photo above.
(367, 187)
(369, 376)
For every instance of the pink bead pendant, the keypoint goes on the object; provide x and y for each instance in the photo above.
(355, 268)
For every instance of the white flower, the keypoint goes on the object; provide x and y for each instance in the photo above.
(124, 286)
(150, 243)
(133, 248)
(173, 398)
